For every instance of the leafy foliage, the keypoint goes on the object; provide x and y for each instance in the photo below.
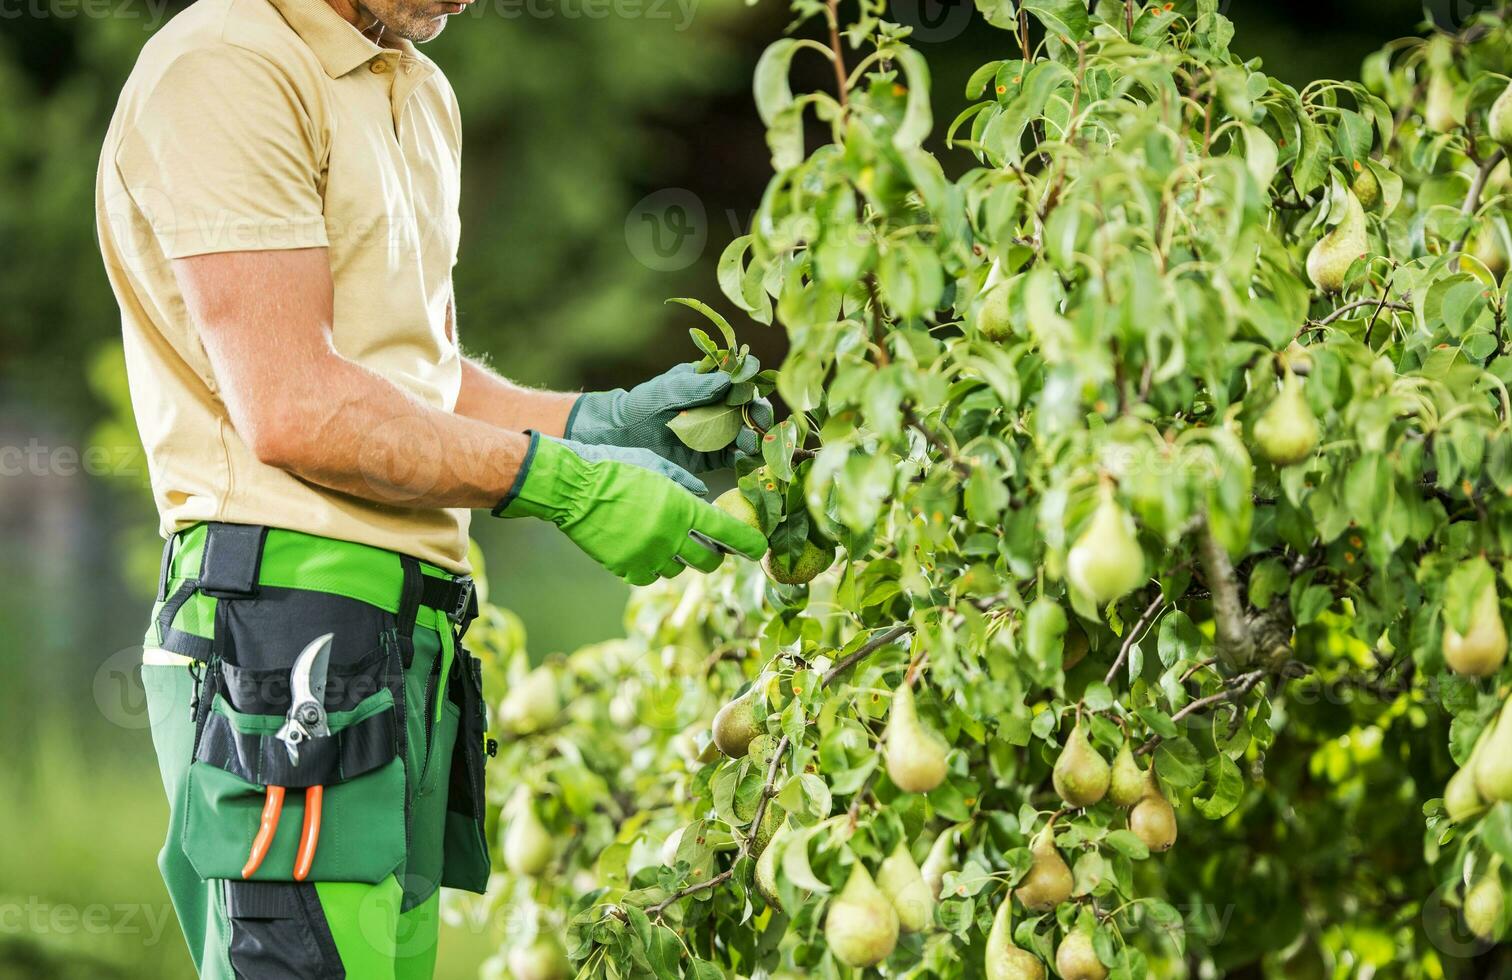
(1121, 462)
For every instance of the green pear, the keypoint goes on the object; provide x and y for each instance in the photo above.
(1462, 798)
(1366, 187)
(734, 503)
(1153, 820)
(532, 704)
(861, 927)
(1126, 786)
(1482, 648)
(1081, 776)
(770, 820)
(1485, 907)
(1499, 119)
(994, 314)
(1076, 959)
(1005, 960)
(1438, 109)
(940, 859)
(1493, 769)
(766, 864)
(1048, 882)
(810, 562)
(903, 883)
(1287, 431)
(915, 756)
(527, 843)
(735, 726)
(1487, 248)
(1332, 255)
(543, 959)
(1106, 562)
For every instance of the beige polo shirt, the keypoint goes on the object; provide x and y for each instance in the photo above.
(252, 125)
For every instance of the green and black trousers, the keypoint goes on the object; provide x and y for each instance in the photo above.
(402, 767)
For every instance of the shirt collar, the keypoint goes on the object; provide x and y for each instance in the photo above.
(339, 46)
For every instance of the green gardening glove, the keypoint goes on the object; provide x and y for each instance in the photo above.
(644, 458)
(636, 523)
(638, 418)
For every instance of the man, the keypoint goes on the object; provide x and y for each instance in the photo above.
(278, 211)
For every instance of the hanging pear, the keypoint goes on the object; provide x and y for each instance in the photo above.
(940, 859)
(766, 864)
(915, 756)
(543, 959)
(1333, 254)
(1076, 959)
(805, 568)
(527, 844)
(1499, 120)
(1482, 648)
(532, 704)
(1081, 776)
(861, 927)
(1287, 431)
(1485, 907)
(735, 726)
(1048, 882)
(1493, 770)
(994, 316)
(1462, 798)
(1127, 784)
(903, 883)
(1005, 960)
(1366, 187)
(1438, 109)
(1106, 562)
(1153, 820)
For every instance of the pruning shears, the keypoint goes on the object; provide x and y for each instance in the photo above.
(306, 720)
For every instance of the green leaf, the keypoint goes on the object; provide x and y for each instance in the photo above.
(1225, 786)
(1126, 843)
(1063, 18)
(773, 91)
(1178, 763)
(918, 119)
(777, 449)
(708, 428)
(727, 331)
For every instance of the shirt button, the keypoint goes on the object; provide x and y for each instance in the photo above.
(380, 67)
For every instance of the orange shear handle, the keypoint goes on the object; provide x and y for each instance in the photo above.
(309, 835)
(272, 807)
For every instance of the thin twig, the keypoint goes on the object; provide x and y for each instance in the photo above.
(1348, 308)
(1134, 635)
(1234, 689)
(1472, 198)
(868, 648)
(836, 53)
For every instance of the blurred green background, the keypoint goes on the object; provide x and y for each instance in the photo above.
(611, 152)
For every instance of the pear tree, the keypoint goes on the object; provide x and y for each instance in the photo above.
(1139, 521)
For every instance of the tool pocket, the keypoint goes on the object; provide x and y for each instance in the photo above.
(237, 754)
(466, 863)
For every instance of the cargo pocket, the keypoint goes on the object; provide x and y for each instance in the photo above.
(466, 865)
(237, 753)
(279, 930)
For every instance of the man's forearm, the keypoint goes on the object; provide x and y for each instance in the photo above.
(489, 398)
(358, 433)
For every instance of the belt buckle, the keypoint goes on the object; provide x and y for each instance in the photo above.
(458, 613)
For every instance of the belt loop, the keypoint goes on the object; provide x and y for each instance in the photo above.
(409, 605)
(165, 569)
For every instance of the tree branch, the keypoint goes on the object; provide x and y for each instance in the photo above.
(1236, 688)
(868, 648)
(1360, 304)
(1231, 634)
(1472, 198)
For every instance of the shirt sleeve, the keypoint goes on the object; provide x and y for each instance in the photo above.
(224, 156)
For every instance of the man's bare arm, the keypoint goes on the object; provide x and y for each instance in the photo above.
(489, 398)
(265, 321)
